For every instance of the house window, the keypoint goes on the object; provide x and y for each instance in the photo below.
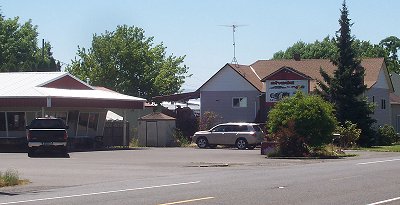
(2, 121)
(93, 121)
(16, 121)
(239, 102)
(82, 124)
(87, 124)
(61, 115)
(383, 104)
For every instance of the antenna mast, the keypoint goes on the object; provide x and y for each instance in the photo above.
(234, 26)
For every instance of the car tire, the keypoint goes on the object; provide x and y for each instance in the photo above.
(241, 143)
(202, 142)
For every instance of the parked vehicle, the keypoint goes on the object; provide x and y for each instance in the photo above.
(47, 134)
(242, 135)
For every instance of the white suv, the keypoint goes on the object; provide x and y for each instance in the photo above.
(242, 135)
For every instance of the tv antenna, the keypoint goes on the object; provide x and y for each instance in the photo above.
(234, 26)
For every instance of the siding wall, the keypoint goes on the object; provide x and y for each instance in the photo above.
(221, 104)
(217, 95)
(382, 116)
(396, 117)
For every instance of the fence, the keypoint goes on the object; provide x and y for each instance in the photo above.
(114, 134)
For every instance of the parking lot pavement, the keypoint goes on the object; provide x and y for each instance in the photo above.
(82, 168)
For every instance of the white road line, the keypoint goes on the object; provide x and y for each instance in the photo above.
(345, 178)
(389, 160)
(187, 201)
(99, 193)
(385, 201)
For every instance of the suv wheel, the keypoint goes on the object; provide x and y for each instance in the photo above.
(241, 143)
(202, 142)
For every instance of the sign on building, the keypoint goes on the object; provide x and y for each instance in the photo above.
(278, 89)
(285, 82)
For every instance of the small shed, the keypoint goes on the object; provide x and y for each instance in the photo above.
(156, 130)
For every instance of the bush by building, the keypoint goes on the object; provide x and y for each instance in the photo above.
(386, 135)
(301, 124)
(348, 135)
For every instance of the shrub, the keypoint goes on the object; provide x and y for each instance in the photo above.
(386, 135)
(349, 134)
(180, 139)
(209, 120)
(313, 123)
(290, 143)
(9, 178)
(134, 142)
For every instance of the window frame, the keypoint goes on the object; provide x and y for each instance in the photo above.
(383, 104)
(240, 105)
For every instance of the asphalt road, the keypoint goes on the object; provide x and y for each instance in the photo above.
(196, 176)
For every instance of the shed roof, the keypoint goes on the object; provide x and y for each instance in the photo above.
(156, 116)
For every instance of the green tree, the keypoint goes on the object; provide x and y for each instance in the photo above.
(324, 49)
(126, 61)
(392, 46)
(327, 49)
(19, 50)
(302, 123)
(347, 84)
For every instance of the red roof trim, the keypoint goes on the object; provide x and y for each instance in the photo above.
(278, 73)
(67, 82)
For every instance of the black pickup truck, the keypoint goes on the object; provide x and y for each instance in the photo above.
(47, 134)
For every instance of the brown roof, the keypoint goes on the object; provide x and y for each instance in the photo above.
(178, 97)
(394, 99)
(311, 68)
(248, 74)
(156, 116)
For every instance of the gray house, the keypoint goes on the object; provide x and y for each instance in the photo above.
(242, 93)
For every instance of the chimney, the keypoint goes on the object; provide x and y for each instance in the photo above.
(296, 56)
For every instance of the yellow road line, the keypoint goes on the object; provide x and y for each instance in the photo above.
(187, 201)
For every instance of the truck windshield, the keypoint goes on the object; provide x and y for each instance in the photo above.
(47, 124)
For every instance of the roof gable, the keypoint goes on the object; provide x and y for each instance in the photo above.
(288, 74)
(67, 81)
(231, 78)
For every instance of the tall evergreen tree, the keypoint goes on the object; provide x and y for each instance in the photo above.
(346, 87)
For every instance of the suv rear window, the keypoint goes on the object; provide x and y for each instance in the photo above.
(240, 128)
(257, 128)
(47, 123)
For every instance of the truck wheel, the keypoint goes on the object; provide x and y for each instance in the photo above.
(31, 152)
(64, 152)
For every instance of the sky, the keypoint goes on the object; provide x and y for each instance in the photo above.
(195, 28)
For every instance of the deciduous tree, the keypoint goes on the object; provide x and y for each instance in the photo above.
(392, 45)
(19, 50)
(126, 61)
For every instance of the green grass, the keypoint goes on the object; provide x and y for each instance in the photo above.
(393, 148)
(11, 178)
